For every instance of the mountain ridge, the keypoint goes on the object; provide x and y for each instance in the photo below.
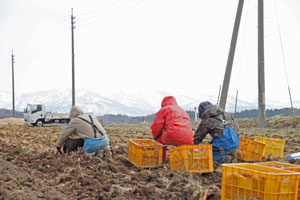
(139, 103)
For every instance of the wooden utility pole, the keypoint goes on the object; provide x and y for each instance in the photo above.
(261, 66)
(13, 83)
(73, 57)
(227, 75)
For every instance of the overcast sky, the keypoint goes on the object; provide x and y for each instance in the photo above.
(179, 46)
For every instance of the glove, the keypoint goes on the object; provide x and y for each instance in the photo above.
(58, 149)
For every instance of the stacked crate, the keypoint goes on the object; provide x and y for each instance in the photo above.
(262, 181)
(274, 147)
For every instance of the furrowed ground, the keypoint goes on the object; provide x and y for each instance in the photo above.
(30, 170)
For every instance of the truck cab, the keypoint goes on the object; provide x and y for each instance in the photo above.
(36, 115)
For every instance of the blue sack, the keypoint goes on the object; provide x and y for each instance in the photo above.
(92, 145)
(225, 145)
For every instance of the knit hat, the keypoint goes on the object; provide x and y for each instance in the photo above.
(202, 107)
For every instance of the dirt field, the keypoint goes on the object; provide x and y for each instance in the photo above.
(30, 170)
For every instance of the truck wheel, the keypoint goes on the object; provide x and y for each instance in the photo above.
(39, 123)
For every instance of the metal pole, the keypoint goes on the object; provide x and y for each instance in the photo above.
(219, 95)
(236, 98)
(73, 56)
(231, 55)
(195, 114)
(13, 84)
(261, 64)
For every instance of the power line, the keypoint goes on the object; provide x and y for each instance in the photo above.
(281, 44)
(124, 5)
(96, 10)
(36, 50)
(43, 51)
(243, 44)
(284, 64)
(196, 12)
(112, 15)
(241, 59)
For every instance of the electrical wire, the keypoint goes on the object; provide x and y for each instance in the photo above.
(284, 64)
(109, 11)
(281, 44)
(45, 45)
(113, 15)
(43, 51)
(96, 10)
(243, 46)
(195, 12)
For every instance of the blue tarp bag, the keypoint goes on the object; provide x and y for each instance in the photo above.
(225, 145)
(92, 145)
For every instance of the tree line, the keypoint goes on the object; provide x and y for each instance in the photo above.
(123, 119)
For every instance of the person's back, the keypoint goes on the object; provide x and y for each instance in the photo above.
(211, 122)
(172, 125)
(222, 127)
(88, 128)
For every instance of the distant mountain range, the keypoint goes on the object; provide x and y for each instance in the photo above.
(118, 102)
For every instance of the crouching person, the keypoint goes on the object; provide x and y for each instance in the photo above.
(92, 136)
(222, 127)
(172, 125)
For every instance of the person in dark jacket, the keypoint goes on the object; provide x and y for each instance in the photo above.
(222, 127)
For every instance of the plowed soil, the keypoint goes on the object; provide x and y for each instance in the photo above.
(29, 169)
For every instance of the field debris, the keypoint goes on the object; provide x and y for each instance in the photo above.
(30, 169)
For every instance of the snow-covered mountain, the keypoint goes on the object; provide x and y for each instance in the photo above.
(137, 103)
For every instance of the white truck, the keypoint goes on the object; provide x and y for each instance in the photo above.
(36, 115)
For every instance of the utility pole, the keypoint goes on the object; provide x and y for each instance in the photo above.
(219, 95)
(13, 83)
(231, 55)
(73, 57)
(261, 66)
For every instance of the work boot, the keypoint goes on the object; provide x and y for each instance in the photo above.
(234, 157)
(106, 153)
(228, 159)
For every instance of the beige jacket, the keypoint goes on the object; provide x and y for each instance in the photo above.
(79, 127)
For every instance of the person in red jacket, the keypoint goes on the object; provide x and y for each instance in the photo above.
(172, 125)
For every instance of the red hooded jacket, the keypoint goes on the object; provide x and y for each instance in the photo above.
(172, 125)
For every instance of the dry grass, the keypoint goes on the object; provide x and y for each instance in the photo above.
(13, 121)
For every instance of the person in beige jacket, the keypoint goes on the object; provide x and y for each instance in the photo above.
(88, 128)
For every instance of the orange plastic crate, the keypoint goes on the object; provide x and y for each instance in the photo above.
(192, 158)
(285, 166)
(145, 153)
(250, 150)
(251, 181)
(274, 147)
(280, 165)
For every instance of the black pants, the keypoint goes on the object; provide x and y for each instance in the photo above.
(72, 144)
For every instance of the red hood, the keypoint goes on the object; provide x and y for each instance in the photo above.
(169, 100)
